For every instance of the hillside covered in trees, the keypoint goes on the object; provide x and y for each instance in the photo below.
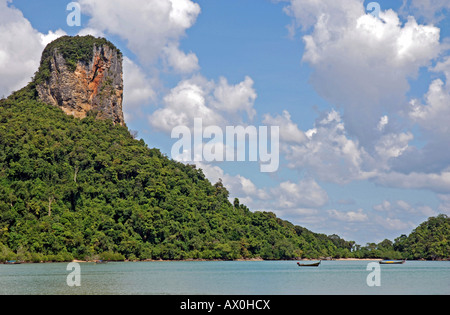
(429, 241)
(75, 188)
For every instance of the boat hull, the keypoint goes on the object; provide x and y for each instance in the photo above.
(391, 262)
(309, 265)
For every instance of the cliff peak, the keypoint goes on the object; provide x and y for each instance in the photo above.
(80, 74)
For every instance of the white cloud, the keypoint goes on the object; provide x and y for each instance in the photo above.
(434, 116)
(152, 28)
(197, 97)
(138, 89)
(393, 145)
(235, 98)
(20, 50)
(361, 63)
(305, 193)
(186, 101)
(180, 61)
(328, 153)
(50, 36)
(289, 131)
(91, 31)
(431, 114)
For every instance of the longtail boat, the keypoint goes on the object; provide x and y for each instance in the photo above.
(309, 265)
(392, 262)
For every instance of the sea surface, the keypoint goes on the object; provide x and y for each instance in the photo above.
(227, 278)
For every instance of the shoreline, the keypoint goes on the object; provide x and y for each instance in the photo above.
(196, 260)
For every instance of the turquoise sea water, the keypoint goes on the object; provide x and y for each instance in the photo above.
(226, 278)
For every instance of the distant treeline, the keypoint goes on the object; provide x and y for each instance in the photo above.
(86, 189)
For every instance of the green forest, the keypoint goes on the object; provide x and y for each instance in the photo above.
(87, 189)
(80, 188)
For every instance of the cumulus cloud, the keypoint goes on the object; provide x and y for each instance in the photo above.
(138, 89)
(434, 115)
(235, 98)
(361, 63)
(180, 61)
(431, 114)
(289, 131)
(184, 103)
(393, 145)
(217, 103)
(20, 50)
(305, 193)
(328, 153)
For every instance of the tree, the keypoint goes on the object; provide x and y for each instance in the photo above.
(236, 203)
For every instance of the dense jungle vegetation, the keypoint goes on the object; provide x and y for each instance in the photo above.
(77, 189)
(86, 189)
(72, 188)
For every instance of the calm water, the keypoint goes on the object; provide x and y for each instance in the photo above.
(226, 278)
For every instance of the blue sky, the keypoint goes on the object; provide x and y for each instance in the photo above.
(362, 103)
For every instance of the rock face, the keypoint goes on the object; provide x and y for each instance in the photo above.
(82, 74)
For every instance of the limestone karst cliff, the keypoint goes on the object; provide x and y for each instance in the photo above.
(81, 74)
